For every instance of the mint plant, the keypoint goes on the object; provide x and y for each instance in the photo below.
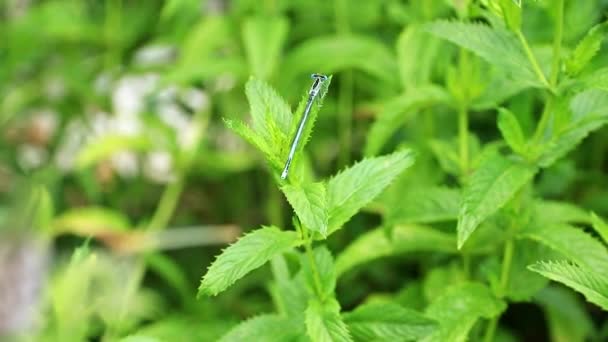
(306, 299)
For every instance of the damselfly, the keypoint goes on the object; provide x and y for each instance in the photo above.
(312, 95)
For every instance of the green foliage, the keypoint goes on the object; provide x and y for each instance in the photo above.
(511, 131)
(566, 315)
(397, 111)
(491, 186)
(569, 241)
(586, 49)
(265, 328)
(355, 187)
(309, 202)
(593, 286)
(111, 130)
(248, 253)
(495, 45)
(600, 226)
(264, 39)
(323, 322)
(401, 239)
(425, 205)
(387, 322)
(588, 111)
(459, 308)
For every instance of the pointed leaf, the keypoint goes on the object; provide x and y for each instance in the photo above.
(248, 253)
(358, 185)
(586, 49)
(496, 46)
(559, 212)
(511, 130)
(270, 114)
(310, 204)
(588, 112)
(387, 322)
(600, 226)
(572, 242)
(592, 285)
(490, 187)
(323, 322)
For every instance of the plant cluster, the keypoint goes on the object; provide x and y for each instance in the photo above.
(451, 182)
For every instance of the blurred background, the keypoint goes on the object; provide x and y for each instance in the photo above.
(119, 181)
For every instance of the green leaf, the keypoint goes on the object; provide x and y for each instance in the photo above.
(248, 253)
(402, 239)
(586, 49)
(270, 114)
(490, 187)
(597, 79)
(511, 130)
(592, 285)
(90, 220)
(358, 185)
(266, 328)
(459, 308)
(511, 11)
(397, 111)
(290, 294)
(572, 242)
(264, 38)
(566, 316)
(309, 201)
(387, 322)
(496, 46)
(256, 141)
(600, 226)
(588, 112)
(425, 205)
(559, 212)
(323, 322)
(343, 52)
(326, 272)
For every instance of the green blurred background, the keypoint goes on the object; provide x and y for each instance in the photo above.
(111, 132)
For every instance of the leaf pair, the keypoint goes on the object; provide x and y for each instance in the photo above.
(326, 207)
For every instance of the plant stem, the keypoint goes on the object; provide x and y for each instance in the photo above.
(507, 259)
(557, 42)
(346, 90)
(463, 139)
(167, 205)
(173, 191)
(463, 115)
(532, 59)
(345, 111)
(313, 265)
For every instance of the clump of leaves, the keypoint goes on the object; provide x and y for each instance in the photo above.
(306, 299)
(507, 241)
